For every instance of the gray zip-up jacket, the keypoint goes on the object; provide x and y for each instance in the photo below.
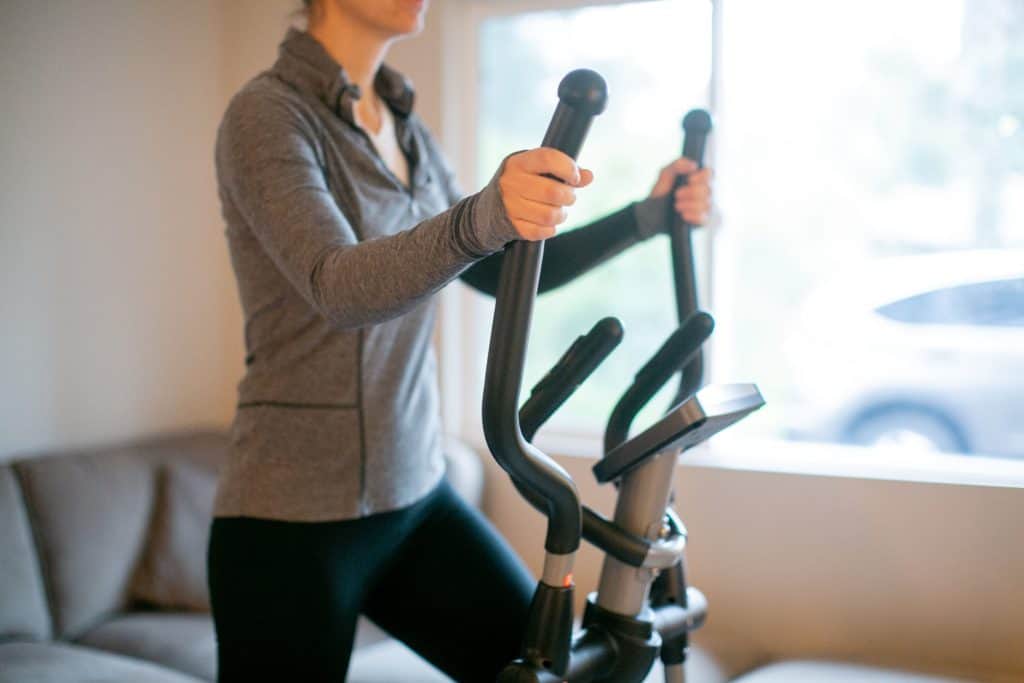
(337, 263)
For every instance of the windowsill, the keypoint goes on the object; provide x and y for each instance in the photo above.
(815, 459)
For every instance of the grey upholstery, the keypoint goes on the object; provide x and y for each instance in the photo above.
(59, 663)
(172, 573)
(23, 612)
(90, 517)
(90, 537)
(184, 642)
(390, 661)
(833, 672)
(368, 633)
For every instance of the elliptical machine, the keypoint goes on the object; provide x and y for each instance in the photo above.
(643, 607)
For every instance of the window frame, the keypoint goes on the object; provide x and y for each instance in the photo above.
(461, 335)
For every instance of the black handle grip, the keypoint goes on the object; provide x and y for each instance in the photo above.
(582, 95)
(677, 352)
(696, 127)
(571, 370)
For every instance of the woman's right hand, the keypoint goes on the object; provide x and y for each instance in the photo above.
(536, 203)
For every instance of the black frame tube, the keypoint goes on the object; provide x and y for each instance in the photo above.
(592, 657)
(676, 353)
(696, 126)
(673, 620)
(582, 94)
(577, 364)
(572, 369)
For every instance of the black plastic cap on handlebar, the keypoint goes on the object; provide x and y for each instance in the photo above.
(585, 91)
(696, 126)
(583, 95)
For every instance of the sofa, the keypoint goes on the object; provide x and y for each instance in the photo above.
(102, 573)
(102, 568)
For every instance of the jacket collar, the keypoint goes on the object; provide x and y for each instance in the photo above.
(303, 62)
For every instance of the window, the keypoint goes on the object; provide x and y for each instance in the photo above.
(869, 171)
(656, 59)
(999, 303)
(871, 153)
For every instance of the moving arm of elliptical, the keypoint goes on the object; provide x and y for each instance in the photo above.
(572, 369)
(679, 351)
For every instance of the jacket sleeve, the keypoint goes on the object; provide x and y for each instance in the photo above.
(270, 173)
(570, 254)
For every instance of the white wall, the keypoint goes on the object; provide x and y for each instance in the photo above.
(116, 303)
(118, 308)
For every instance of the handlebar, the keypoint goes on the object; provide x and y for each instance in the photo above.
(571, 370)
(696, 126)
(582, 96)
(678, 351)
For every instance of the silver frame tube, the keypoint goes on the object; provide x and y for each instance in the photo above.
(640, 509)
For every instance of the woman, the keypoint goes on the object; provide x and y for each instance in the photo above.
(343, 221)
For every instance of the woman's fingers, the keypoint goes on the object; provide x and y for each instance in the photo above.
(533, 231)
(682, 166)
(546, 160)
(542, 189)
(536, 212)
(694, 212)
(693, 200)
(536, 186)
(693, 192)
(667, 176)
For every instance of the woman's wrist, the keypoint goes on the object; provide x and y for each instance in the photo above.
(652, 216)
(481, 222)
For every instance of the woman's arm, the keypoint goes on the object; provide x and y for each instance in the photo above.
(571, 254)
(270, 176)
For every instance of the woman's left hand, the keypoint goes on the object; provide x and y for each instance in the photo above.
(692, 200)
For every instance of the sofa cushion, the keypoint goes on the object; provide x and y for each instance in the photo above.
(60, 663)
(89, 515)
(368, 633)
(834, 672)
(389, 661)
(179, 641)
(187, 643)
(23, 612)
(172, 574)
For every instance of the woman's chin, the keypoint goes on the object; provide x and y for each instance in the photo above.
(408, 28)
(413, 13)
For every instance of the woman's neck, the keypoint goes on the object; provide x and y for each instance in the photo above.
(360, 51)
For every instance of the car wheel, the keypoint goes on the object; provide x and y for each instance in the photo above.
(908, 428)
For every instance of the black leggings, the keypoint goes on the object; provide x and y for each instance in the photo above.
(436, 575)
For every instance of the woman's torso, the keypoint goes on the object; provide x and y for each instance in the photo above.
(335, 423)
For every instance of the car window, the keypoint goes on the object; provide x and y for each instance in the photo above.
(999, 303)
